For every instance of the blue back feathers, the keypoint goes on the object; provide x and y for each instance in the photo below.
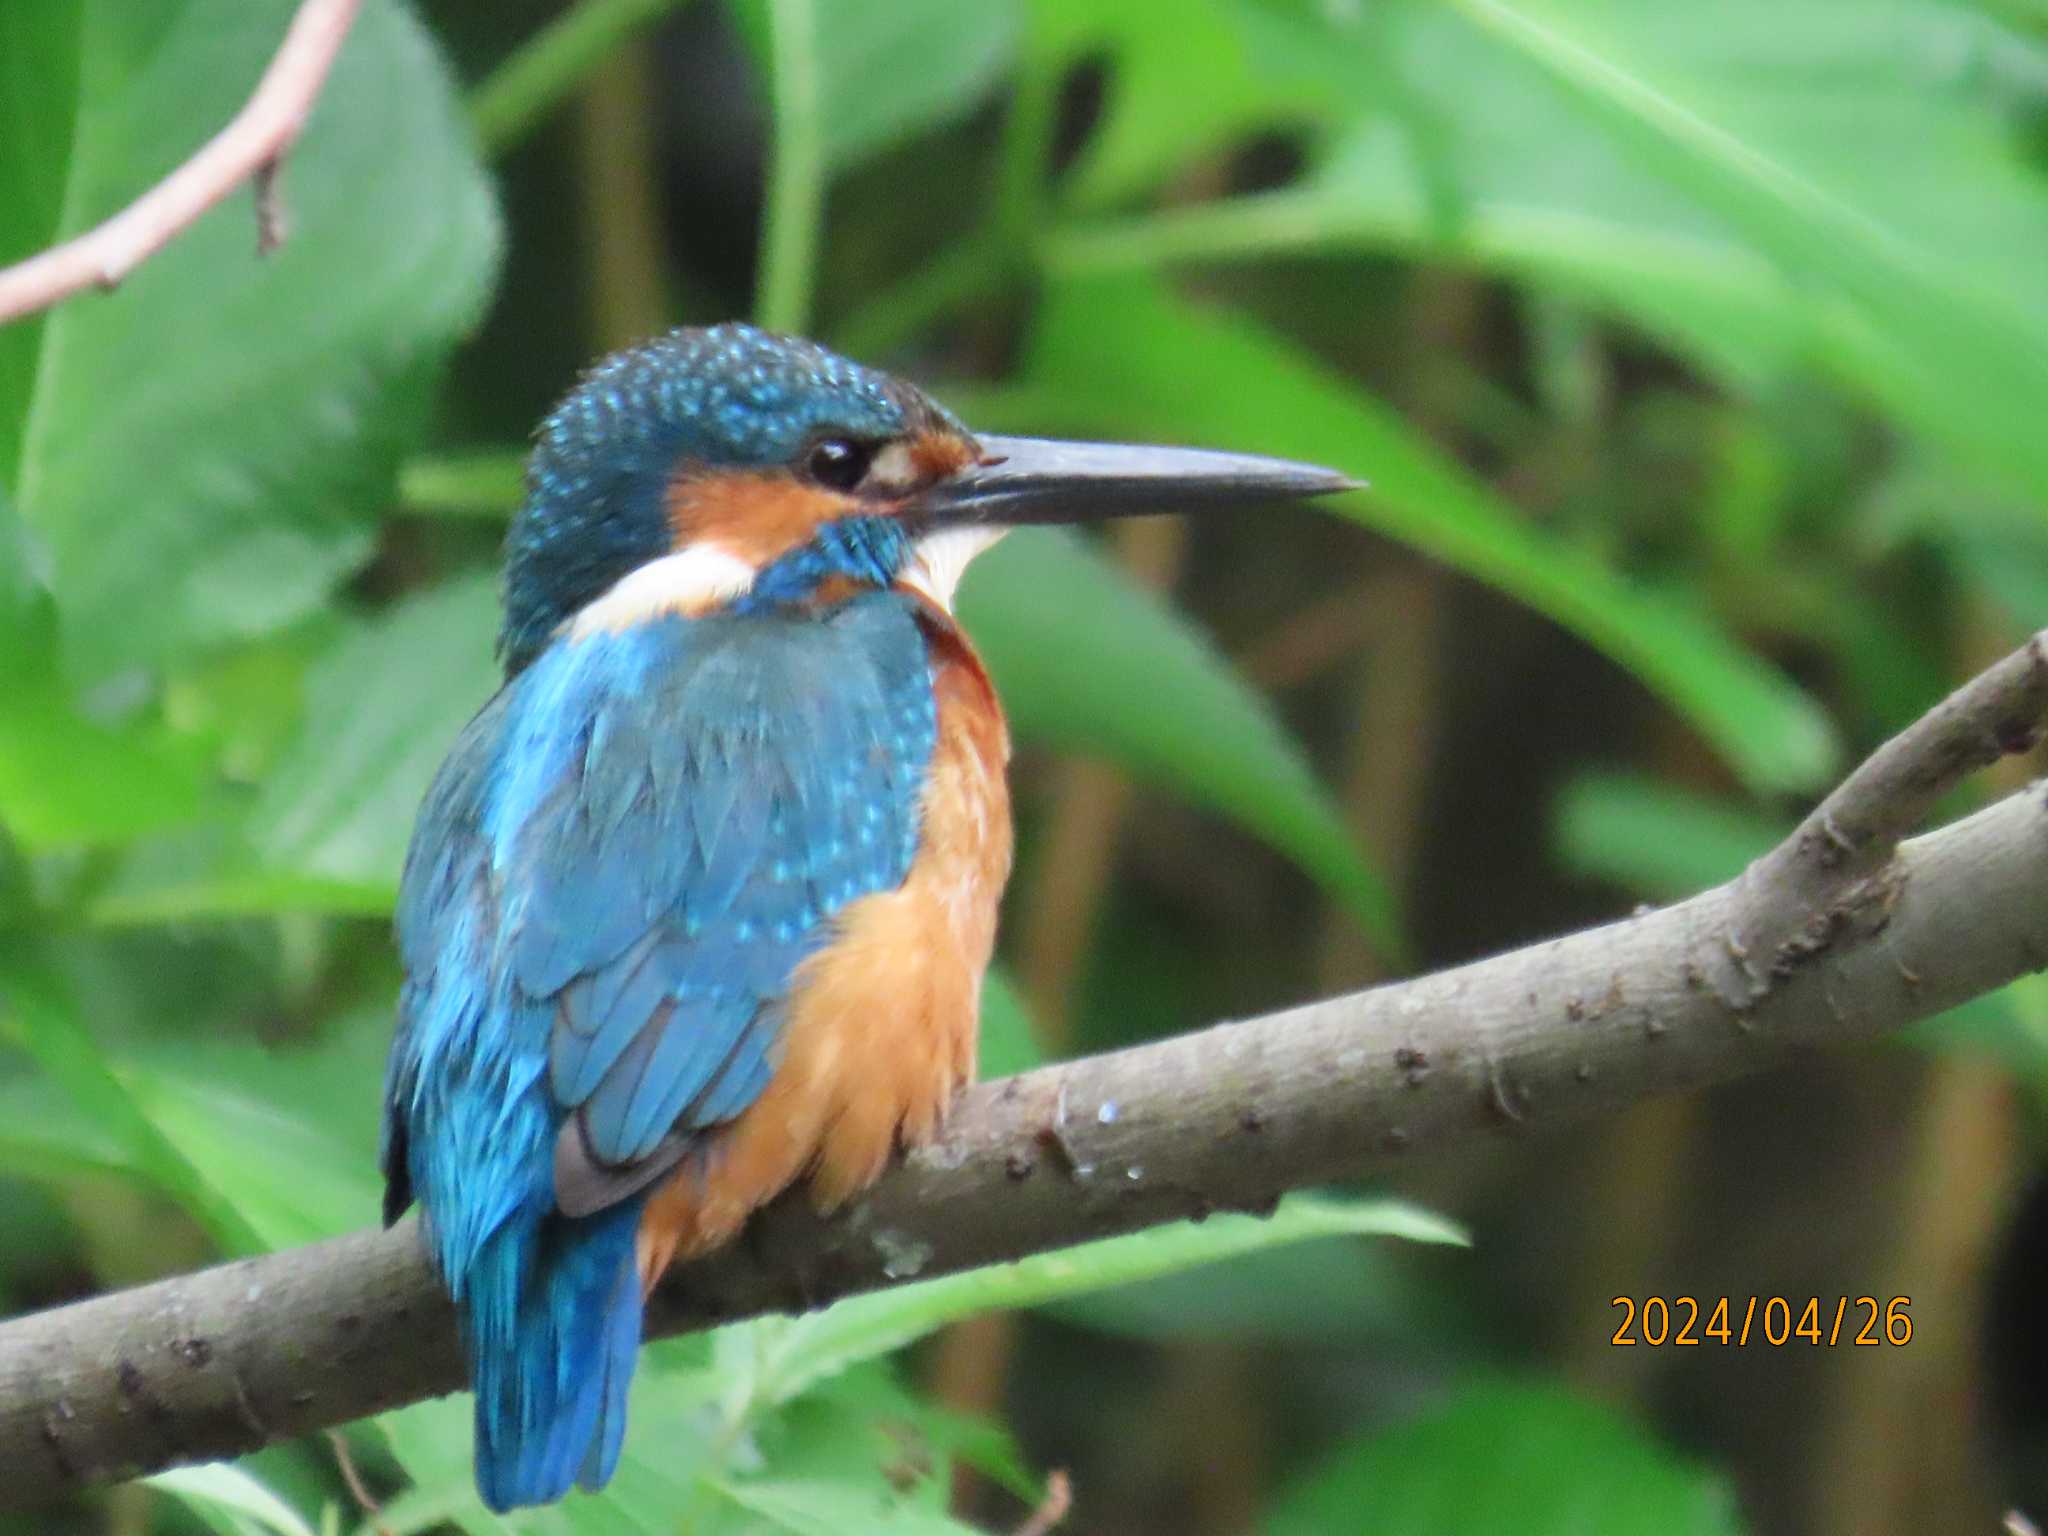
(627, 854)
(728, 397)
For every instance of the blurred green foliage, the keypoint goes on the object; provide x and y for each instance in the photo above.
(1715, 337)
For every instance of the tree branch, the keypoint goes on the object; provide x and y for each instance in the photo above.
(1839, 934)
(252, 146)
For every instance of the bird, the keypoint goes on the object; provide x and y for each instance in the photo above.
(698, 906)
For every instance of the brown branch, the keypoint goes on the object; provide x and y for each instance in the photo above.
(252, 146)
(1839, 935)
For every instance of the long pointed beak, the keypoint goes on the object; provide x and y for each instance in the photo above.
(1040, 480)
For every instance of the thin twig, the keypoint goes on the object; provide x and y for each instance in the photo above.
(1053, 1508)
(1999, 712)
(272, 223)
(1228, 1118)
(253, 145)
(1797, 893)
(345, 1459)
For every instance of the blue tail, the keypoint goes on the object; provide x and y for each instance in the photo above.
(552, 1321)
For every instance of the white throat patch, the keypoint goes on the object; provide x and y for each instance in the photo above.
(690, 581)
(938, 561)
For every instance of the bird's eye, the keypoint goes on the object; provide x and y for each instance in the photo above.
(838, 463)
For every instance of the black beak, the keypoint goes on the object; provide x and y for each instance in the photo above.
(1039, 480)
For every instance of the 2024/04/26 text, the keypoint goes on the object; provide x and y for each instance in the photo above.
(1772, 1320)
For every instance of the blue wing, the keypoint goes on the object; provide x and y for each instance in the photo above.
(641, 838)
(622, 862)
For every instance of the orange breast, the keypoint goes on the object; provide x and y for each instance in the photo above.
(881, 1030)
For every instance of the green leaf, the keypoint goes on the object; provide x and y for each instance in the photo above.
(37, 1012)
(890, 72)
(66, 778)
(834, 1508)
(1088, 661)
(253, 1142)
(1508, 1460)
(1657, 839)
(1314, 1295)
(802, 1351)
(264, 1132)
(52, 1136)
(1741, 180)
(1007, 1042)
(1884, 194)
(1184, 76)
(230, 1500)
(875, 1396)
(1143, 361)
(382, 709)
(1453, 150)
(230, 891)
(197, 450)
(867, 1441)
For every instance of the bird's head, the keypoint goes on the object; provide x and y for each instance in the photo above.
(728, 467)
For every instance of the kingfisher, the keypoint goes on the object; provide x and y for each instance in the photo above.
(698, 906)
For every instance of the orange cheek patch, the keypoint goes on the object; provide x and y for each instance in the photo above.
(939, 454)
(757, 515)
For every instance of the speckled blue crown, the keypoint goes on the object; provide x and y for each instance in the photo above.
(729, 396)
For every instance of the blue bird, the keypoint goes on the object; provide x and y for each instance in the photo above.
(700, 902)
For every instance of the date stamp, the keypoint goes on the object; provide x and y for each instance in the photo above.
(1778, 1321)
